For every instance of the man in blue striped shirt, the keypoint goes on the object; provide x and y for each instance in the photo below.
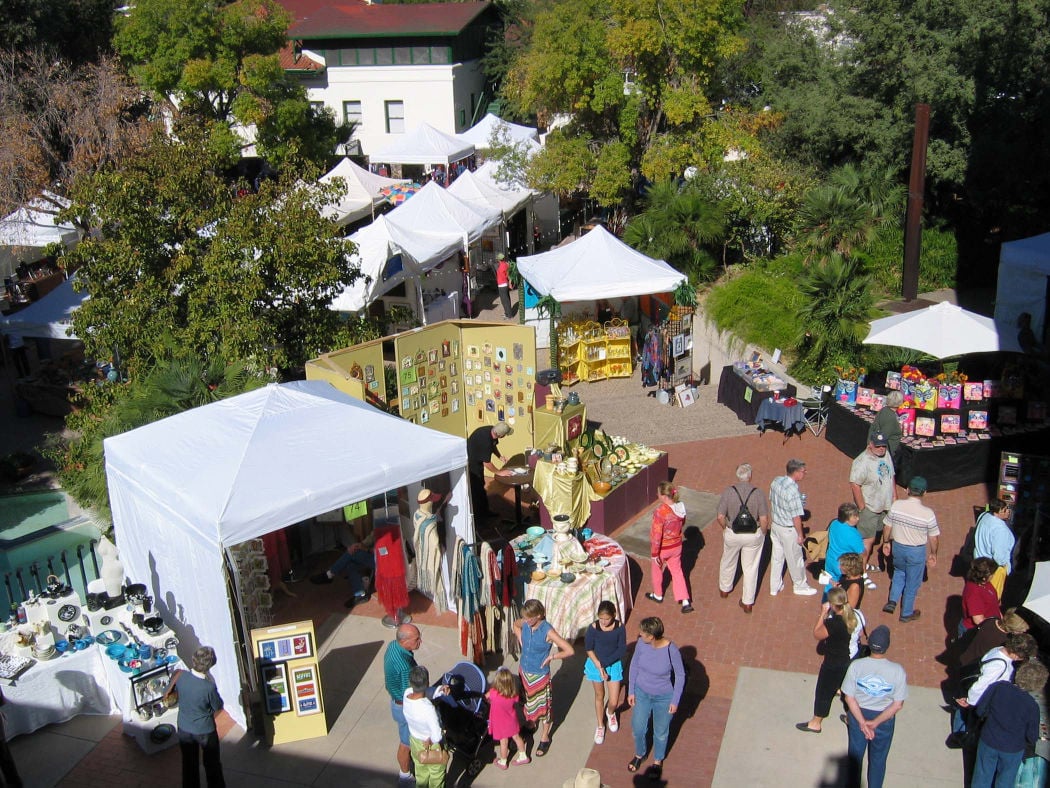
(785, 502)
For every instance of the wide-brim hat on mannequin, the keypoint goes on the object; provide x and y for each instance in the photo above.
(427, 496)
(585, 778)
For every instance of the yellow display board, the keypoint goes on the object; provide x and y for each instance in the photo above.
(288, 669)
(453, 376)
(356, 370)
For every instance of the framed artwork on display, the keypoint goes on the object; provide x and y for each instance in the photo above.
(973, 391)
(925, 426)
(275, 688)
(455, 406)
(686, 397)
(307, 697)
(893, 381)
(472, 351)
(446, 348)
(424, 417)
(501, 354)
(432, 356)
(950, 423)
(455, 348)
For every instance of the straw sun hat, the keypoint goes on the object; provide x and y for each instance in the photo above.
(585, 778)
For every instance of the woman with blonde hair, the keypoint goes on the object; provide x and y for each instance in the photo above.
(835, 627)
(665, 546)
(851, 578)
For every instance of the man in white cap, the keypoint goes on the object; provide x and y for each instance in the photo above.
(872, 483)
(482, 446)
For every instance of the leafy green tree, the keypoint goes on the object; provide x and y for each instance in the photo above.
(175, 382)
(182, 253)
(633, 76)
(681, 226)
(217, 61)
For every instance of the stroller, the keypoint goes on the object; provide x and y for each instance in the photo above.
(464, 713)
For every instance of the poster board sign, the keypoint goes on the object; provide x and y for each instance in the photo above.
(287, 663)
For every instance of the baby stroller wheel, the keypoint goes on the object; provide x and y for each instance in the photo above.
(474, 767)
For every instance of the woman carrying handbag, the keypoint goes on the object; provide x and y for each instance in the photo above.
(424, 729)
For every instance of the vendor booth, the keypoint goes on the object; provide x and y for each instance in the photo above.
(953, 428)
(26, 233)
(360, 192)
(1024, 274)
(187, 488)
(427, 149)
(481, 133)
(595, 266)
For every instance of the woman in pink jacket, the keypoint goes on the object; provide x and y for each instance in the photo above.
(665, 546)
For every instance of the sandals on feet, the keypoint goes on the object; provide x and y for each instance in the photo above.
(542, 747)
(521, 759)
(635, 764)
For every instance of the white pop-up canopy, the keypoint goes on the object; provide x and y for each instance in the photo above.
(378, 246)
(1024, 269)
(424, 145)
(433, 210)
(49, 318)
(597, 265)
(25, 233)
(481, 191)
(360, 192)
(480, 134)
(184, 488)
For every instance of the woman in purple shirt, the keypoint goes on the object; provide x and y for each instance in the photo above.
(656, 680)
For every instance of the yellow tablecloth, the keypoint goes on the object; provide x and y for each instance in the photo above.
(563, 494)
(571, 608)
(550, 427)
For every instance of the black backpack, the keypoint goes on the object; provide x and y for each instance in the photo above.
(744, 522)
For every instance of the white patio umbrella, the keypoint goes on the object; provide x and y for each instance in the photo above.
(941, 330)
(1038, 600)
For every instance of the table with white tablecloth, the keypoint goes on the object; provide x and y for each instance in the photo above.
(58, 690)
(571, 607)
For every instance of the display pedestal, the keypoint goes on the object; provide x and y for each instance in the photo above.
(551, 428)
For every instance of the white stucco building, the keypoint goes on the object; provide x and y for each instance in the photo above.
(390, 68)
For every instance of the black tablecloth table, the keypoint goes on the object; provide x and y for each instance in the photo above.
(731, 393)
(944, 467)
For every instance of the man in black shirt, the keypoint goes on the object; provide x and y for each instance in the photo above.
(482, 444)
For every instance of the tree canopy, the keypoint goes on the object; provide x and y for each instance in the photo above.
(76, 30)
(183, 255)
(632, 76)
(218, 61)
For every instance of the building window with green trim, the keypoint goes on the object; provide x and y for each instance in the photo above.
(352, 112)
(395, 117)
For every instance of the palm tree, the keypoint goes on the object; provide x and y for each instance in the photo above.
(843, 215)
(679, 225)
(838, 303)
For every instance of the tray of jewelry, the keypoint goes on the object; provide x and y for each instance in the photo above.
(12, 667)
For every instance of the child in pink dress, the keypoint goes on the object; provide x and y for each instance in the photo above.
(503, 718)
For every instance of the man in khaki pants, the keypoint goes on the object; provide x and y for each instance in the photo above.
(742, 538)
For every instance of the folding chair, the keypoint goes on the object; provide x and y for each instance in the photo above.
(815, 409)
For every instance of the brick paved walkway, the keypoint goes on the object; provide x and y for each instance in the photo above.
(719, 636)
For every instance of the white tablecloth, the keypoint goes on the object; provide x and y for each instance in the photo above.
(58, 690)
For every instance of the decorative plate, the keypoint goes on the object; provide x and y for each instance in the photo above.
(109, 636)
(171, 643)
(162, 733)
(106, 620)
(599, 449)
(622, 453)
(68, 612)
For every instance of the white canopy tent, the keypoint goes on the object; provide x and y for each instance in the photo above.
(186, 488)
(360, 192)
(433, 210)
(424, 145)
(49, 318)
(25, 233)
(480, 134)
(377, 245)
(1024, 270)
(483, 192)
(597, 265)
